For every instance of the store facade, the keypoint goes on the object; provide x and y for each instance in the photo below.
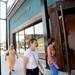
(26, 21)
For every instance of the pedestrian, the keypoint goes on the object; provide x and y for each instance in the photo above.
(31, 58)
(52, 61)
(10, 58)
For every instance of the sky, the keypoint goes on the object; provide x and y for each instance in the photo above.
(3, 16)
(3, 31)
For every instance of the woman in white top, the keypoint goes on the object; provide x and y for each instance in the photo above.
(30, 59)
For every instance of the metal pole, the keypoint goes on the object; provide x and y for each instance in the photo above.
(0, 42)
(6, 29)
(45, 17)
(46, 27)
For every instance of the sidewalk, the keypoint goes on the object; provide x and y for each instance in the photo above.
(18, 67)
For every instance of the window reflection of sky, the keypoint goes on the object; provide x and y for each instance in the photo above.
(39, 28)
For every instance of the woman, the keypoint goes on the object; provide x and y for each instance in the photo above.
(52, 62)
(10, 58)
(31, 59)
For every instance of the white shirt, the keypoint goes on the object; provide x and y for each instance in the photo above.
(29, 54)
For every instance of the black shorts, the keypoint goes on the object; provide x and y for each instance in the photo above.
(32, 71)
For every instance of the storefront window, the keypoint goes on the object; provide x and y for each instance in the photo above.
(29, 33)
(23, 37)
(17, 42)
(21, 41)
(40, 38)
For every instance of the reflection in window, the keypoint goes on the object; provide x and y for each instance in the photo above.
(40, 38)
(29, 33)
(17, 42)
(34, 31)
(21, 41)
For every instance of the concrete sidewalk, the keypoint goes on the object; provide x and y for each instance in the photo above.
(18, 67)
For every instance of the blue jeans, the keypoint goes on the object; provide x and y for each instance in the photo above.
(54, 70)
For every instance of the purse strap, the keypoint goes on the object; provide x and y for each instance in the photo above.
(34, 58)
(38, 65)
